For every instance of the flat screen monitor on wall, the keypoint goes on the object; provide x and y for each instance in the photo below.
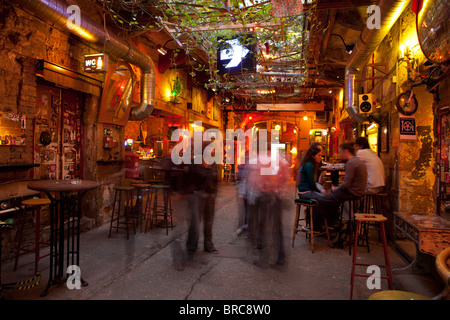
(236, 55)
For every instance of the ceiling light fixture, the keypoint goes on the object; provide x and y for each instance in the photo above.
(348, 48)
(161, 50)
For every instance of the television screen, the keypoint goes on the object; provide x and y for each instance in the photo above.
(236, 55)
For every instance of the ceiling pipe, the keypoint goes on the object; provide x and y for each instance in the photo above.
(282, 74)
(57, 13)
(331, 17)
(370, 39)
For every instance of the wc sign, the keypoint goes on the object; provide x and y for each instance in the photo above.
(96, 62)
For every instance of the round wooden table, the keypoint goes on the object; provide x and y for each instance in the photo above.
(65, 197)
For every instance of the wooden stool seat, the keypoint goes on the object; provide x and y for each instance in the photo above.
(161, 186)
(36, 202)
(309, 208)
(142, 185)
(370, 217)
(124, 188)
(153, 181)
(306, 201)
(35, 205)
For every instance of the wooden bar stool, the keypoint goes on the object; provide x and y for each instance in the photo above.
(35, 205)
(373, 202)
(144, 211)
(161, 213)
(309, 205)
(127, 218)
(380, 219)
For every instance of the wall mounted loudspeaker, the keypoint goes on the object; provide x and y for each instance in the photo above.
(366, 103)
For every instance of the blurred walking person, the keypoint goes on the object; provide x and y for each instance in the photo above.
(266, 183)
(203, 186)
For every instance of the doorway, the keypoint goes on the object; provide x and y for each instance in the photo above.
(58, 133)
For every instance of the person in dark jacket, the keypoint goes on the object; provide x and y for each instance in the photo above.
(202, 186)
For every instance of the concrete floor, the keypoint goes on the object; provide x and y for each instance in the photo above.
(155, 266)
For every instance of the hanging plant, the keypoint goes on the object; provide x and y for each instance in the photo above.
(203, 25)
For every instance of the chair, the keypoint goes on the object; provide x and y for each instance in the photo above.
(128, 217)
(161, 213)
(309, 205)
(443, 268)
(375, 218)
(35, 205)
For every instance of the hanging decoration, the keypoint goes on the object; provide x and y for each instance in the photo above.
(286, 8)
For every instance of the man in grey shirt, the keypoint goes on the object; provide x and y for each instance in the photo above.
(353, 187)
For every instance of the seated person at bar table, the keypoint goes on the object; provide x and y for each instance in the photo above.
(353, 187)
(307, 188)
(374, 165)
(298, 178)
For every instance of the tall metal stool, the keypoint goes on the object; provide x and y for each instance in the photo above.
(309, 205)
(380, 219)
(127, 218)
(143, 211)
(35, 205)
(161, 213)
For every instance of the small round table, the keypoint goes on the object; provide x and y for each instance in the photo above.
(65, 205)
(334, 173)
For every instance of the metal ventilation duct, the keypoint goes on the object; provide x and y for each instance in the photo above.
(370, 39)
(56, 12)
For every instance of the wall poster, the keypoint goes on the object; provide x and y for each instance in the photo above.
(117, 94)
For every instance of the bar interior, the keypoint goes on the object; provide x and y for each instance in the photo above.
(121, 118)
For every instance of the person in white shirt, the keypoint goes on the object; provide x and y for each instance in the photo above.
(374, 165)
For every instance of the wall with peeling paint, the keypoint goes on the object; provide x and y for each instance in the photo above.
(409, 164)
